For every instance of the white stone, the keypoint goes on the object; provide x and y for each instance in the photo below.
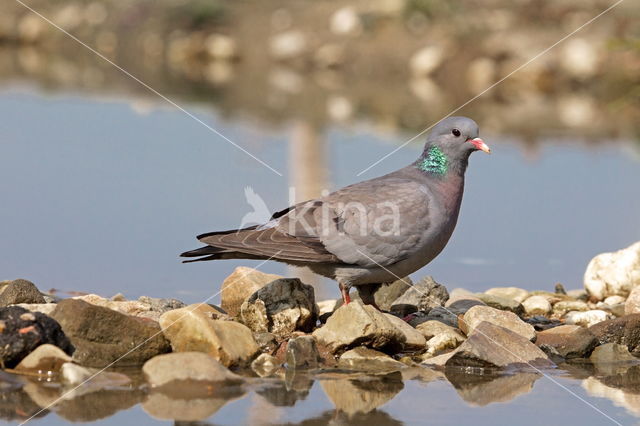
(515, 293)
(587, 318)
(610, 274)
(536, 305)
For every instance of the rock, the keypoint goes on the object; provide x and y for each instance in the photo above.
(624, 331)
(163, 370)
(559, 289)
(43, 308)
(570, 341)
(432, 328)
(461, 301)
(266, 341)
(478, 314)
(288, 45)
(578, 294)
(180, 410)
(488, 388)
(632, 305)
(490, 345)
(44, 358)
(281, 307)
(265, 365)
(413, 339)
(502, 303)
(128, 307)
(21, 332)
(437, 361)
(610, 274)
(540, 323)
(19, 291)
(587, 318)
(327, 306)
(450, 338)
(612, 300)
(302, 352)
(345, 21)
(354, 396)
(439, 313)
(387, 294)
(161, 305)
(102, 336)
(612, 353)
(365, 359)
(220, 46)
(422, 296)
(193, 329)
(241, 284)
(514, 293)
(564, 306)
(426, 60)
(356, 324)
(536, 305)
(90, 379)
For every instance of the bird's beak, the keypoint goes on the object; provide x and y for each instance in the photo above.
(479, 144)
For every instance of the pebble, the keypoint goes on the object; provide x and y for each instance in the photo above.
(193, 329)
(565, 306)
(241, 284)
(281, 307)
(514, 293)
(502, 303)
(586, 318)
(478, 314)
(536, 305)
(162, 370)
(448, 339)
(423, 296)
(302, 352)
(461, 301)
(413, 339)
(611, 274)
(439, 313)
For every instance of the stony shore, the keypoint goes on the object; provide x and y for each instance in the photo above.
(271, 327)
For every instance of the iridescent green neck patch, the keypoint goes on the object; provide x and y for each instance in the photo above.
(434, 162)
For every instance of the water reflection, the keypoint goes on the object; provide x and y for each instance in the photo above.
(354, 398)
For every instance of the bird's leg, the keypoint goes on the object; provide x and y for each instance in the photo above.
(367, 294)
(344, 290)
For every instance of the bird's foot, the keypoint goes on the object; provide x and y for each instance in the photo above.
(346, 299)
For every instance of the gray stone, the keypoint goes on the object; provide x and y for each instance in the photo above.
(570, 341)
(240, 285)
(439, 313)
(44, 358)
(302, 352)
(624, 330)
(21, 332)
(356, 324)
(281, 307)
(365, 359)
(502, 303)
(161, 305)
(413, 339)
(163, 370)
(492, 346)
(102, 336)
(514, 293)
(461, 301)
(478, 314)
(422, 296)
(193, 329)
(19, 291)
(387, 294)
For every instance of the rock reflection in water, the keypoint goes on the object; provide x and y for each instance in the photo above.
(484, 389)
(622, 388)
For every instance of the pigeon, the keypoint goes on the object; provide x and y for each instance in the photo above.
(369, 233)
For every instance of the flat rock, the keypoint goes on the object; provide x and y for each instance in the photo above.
(103, 336)
(570, 341)
(514, 293)
(265, 365)
(632, 305)
(564, 306)
(281, 307)
(610, 274)
(422, 296)
(536, 305)
(241, 284)
(478, 314)
(366, 359)
(19, 291)
(165, 369)
(492, 346)
(461, 301)
(193, 329)
(44, 358)
(21, 332)
(624, 330)
(302, 352)
(356, 324)
(413, 339)
(502, 303)
(586, 318)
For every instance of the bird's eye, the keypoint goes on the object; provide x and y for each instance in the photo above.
(456, 132)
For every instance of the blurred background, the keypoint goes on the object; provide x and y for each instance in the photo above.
(104, 183)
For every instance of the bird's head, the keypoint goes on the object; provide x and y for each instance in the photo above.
(449, 145)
